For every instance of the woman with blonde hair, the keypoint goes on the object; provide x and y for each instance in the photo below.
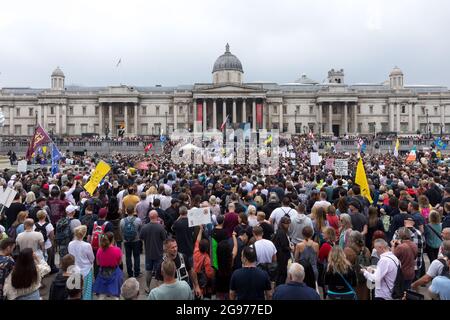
(319, 218)
(84, 259)
(424, 206)
(340, 278)
(432, 235)
(252, 220)
(17, 227)
(345, 222)
(30, 199)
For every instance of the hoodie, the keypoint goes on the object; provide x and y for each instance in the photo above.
(58, 289)
(298, 222)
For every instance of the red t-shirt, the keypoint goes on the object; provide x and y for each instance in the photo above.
(324, 251)
(230, 221)
(333, 221)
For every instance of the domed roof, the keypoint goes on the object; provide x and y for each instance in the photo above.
(396, 72)
(227, 61)
(58, 73)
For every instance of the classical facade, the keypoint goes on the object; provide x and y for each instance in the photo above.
(333, 107)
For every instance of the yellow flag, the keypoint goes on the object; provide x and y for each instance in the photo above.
(361, 180)
(100, 171)
(44, 149)
(268, 140)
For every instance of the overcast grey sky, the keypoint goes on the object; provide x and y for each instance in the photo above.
(177, 42)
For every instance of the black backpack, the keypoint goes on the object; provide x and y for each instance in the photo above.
(399, 284)
(42, 229)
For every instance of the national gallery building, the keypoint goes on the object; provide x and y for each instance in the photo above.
(330, 108)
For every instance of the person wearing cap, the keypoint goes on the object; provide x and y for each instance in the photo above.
(417, 238)
(284, 248)
(274, 202)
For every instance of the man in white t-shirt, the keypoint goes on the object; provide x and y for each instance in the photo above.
(279, 213)
(323, 201)
(265, 249)
(29, 238)
(436, 268)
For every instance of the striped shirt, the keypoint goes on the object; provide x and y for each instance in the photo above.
(417, 238)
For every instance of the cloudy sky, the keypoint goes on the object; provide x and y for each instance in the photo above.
(176, 42)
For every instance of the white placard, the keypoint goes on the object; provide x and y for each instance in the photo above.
(315, 158)
(199, 216)
(291, 147)
(341, 167)
(293, 155)
(7, 197)
(22, 166)
(382, 166)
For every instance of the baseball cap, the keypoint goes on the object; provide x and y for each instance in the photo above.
(72, 208)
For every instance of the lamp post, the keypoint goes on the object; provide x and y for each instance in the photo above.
(296, 111)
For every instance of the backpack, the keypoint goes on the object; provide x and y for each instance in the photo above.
(63, 232)
(361, 261)
(129, 230)
(399, 284)
(445, 269)
(42, 229)
(97, 234)
(12, 232)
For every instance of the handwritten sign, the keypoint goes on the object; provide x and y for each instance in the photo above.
(315, 158)
(341, 167)
(7, 196)
(22, 166)
(199, 216)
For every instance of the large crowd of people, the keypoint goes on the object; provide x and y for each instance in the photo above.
(302, 233)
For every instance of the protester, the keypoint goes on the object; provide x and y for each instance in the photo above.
(295, 289)
(130, 289)
(6, 261)
(172, 287)
(130, 228)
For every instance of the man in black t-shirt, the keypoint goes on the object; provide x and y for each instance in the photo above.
(250, 282)
(185, 270)
(184, 234)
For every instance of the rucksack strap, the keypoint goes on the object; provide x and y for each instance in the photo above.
(347, 284)
(434, 231)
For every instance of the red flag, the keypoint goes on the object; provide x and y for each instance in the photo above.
(148, 147)
(224, 123)
(199, 111)
(259, 114)
(40, 137)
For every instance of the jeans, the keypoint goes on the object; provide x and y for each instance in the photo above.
(133, 248)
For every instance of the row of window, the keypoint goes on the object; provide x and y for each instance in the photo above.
(275, 110)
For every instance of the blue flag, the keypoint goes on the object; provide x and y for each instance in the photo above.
(363, 147)
(440, 144)
(162, 138)
(56, 155)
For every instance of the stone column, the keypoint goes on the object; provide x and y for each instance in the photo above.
(410, 118)
(254, 115)
(442, 117)
(264, 115)
(125, 117)
(136, 119)
(345, 118)
(391, 117)
(398, 117)
(319, 118)
(224, 110)
(111, 129)
(63, 119)
(205, 124)
(416, 117)
(11, 120)
(244, 111)
(58, 125)
(100, 119)
(195, 115)
(355, 118)
(175, 115)
(330, 117)
(281, 117)
(214, 114)
(234, 111)
(45, 116)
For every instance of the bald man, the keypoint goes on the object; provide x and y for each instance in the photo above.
(153, 234)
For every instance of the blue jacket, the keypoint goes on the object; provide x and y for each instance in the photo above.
(295, 291)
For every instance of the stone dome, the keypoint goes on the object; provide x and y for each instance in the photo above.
(58, 73)
(396, 72)
(227, 61)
